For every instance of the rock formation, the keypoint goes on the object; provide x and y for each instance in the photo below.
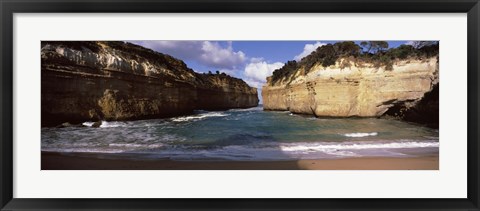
(405, 88)
(90, 81)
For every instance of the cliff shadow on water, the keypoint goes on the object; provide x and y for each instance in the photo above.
(205, 136)
(233, 139)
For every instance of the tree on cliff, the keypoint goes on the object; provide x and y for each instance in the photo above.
(374, 46)
(289, 68)
(347, 48)
(421, 44)
(374, 52)
(401, 52)
(426, 48)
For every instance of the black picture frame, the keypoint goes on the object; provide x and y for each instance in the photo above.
(9, 7)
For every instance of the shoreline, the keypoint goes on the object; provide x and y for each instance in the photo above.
(92, 161)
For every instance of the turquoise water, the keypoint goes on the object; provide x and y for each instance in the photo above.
(245, 134)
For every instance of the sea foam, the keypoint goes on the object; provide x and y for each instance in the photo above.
(358, 135)
(350, 146)
(106, 124)
(198, 116)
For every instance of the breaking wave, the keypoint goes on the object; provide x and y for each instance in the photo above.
(198, 116)
(358, 135)
(245, 134)
(345, 146)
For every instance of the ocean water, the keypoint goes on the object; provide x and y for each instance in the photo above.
(245, 134)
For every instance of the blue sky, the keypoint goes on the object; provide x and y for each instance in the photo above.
(251, 61)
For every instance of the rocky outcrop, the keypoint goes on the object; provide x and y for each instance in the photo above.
(89, 81)
(348, 89)
(425, 111)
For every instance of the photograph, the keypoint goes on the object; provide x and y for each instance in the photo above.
(239, 104)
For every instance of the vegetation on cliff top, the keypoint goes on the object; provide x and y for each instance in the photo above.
(128, 50)
(371, 52)
(140, 54)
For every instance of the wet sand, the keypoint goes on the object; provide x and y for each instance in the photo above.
(92, 161)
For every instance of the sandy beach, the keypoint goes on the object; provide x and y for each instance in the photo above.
(91, 161)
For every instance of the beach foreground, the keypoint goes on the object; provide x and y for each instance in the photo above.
(91, 161)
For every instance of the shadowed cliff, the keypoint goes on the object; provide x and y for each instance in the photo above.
(90, 81)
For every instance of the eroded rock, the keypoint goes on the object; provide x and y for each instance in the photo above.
(91, 81)
(363, 91)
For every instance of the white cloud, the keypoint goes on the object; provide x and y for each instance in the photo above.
(233, 73)
(254, 83)
(309, 48)
(256, 59)
(207, 53)
(410, 43)
(215, 55)
(256, 72)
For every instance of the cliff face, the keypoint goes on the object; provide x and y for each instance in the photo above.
(89, 81)
(348, 89)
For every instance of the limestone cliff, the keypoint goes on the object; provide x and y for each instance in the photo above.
(89, 81)
(349, 88)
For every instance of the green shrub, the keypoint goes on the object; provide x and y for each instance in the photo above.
(376, 53)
